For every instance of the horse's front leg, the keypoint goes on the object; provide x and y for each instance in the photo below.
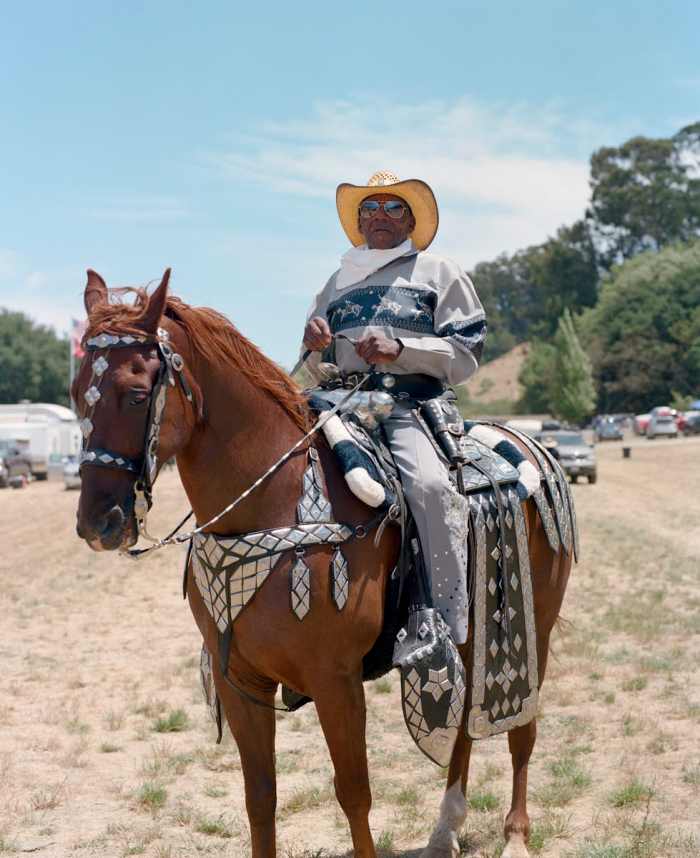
(340, 703)
(253, 728)
(444, 841)
(521, 741)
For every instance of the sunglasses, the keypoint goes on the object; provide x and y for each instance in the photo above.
(393, 208)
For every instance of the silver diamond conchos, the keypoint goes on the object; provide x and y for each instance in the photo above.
(432, 684)
(504, 686)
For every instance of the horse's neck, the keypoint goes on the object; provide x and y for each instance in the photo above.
(244, 432)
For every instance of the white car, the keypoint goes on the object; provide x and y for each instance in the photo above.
(71, 473)
(662, 423)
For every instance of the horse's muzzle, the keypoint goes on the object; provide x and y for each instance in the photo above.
(109, 531)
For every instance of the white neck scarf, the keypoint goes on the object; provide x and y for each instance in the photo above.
(359, 262)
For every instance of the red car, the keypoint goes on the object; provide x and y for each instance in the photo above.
(640, 423)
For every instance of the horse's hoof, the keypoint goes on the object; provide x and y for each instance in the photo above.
(515, 847)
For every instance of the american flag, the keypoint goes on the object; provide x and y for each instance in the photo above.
(76, 335)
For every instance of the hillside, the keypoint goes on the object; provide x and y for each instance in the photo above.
(498, 380)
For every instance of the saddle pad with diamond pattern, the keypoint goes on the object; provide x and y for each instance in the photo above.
(504, 682)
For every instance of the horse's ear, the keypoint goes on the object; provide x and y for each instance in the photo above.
(95, 291)
(156, 305)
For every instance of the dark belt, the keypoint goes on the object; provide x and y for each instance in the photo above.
(409, 386)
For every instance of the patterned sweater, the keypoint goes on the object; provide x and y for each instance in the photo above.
(425, 301)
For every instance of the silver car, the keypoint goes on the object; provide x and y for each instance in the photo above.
(576, 457)
(662, 423)
(71, 473)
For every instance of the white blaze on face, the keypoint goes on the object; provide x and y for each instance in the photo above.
(453, 813)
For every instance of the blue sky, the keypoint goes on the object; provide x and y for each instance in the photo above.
(210, 138)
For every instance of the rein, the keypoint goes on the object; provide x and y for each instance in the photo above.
(177, 539)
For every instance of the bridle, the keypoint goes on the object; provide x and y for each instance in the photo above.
(145, 467)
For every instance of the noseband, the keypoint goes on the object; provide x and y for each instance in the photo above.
(145, 466)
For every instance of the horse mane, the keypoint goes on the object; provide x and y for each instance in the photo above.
(211, 334)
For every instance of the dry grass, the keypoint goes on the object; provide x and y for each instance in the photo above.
(106, 749)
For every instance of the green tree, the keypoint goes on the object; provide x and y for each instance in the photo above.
(34, 362)
(537, 378)
(572, 392)
(645, 194)
(643, 335)
(564, 273)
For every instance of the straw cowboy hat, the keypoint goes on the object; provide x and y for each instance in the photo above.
(415, 192)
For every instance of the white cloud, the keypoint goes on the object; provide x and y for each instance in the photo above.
(505, 176)
(49, 298)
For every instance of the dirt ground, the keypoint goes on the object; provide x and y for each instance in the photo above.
(106, 748)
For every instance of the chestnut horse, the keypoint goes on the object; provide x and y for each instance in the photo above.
(242, 414)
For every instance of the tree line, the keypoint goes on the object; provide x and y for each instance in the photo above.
(617, 292)
(610, 304)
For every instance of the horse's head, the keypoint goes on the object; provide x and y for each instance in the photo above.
(130, 427)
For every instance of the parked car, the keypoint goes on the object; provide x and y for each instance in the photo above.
(691, 424)
(16, 463)
(682, 419)
(576, 457)
(608, 429)
(71, 473)
(662, 424)
(640, 423)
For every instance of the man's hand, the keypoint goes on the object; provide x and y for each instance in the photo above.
(317, 334)
(376, 348)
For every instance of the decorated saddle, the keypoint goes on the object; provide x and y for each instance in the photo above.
(494, 476)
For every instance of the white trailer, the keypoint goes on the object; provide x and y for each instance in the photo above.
(51, 431)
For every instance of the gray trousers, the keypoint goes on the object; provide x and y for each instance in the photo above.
(440, 514)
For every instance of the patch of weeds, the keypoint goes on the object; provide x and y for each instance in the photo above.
(551, 827)
(162, 851)
(151, 708)
(304, 799)
(382, 686)
(76, 727)
(175, 721)
(637, 683)
(569, 771)
(214, 827)
(215, 759)
(215, 791)
(656, 664)
(635, 792)
(151, 796)
(691, 776)
(163, 762)
(595, 676)
(286, 762)
(569, 779)
(609, 698)
(109, 748)
(630, 726)
(661, 743)
(48, 798)
(490, 772)
(182, 814)
(385, 841)
(407, 796)
(483, 801)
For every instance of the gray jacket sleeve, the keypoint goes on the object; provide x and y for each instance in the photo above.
(453, 353)
(318, 308)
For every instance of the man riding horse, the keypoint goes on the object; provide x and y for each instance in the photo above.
(415, 318)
